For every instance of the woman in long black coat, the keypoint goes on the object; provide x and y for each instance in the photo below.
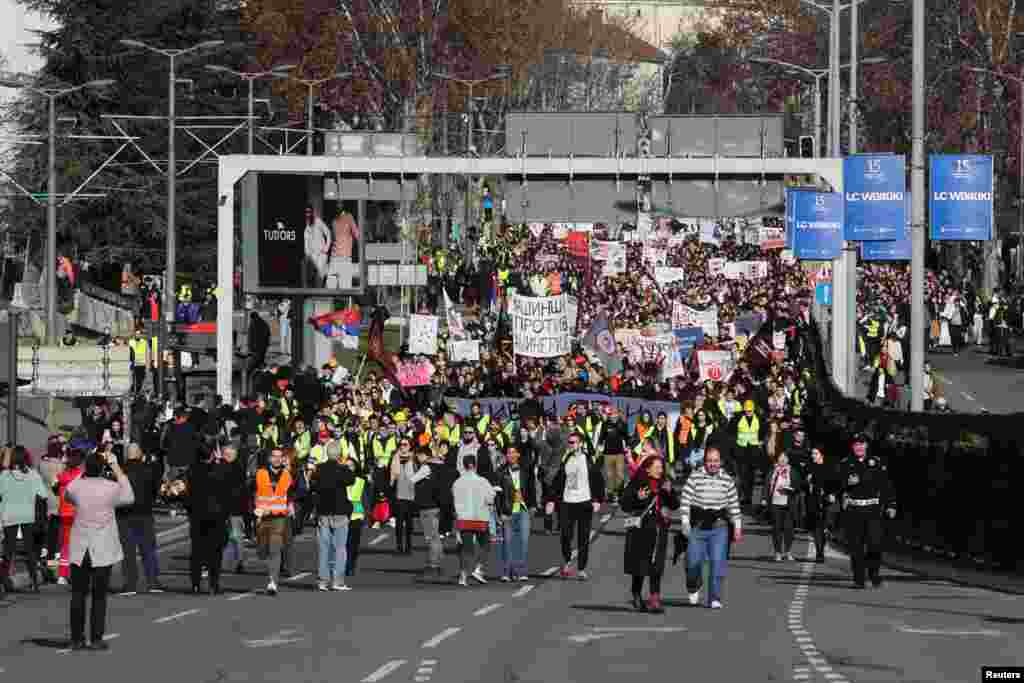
(647, 500)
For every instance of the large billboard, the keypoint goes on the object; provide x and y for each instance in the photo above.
(875, 185)
(288, 247)
(960, 204)
(818, 219)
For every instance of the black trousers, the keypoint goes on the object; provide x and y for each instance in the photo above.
(403, 524)
(956, 337)
(580, 516)
(820, 517)
(208, 536)
(138, 537)
(638, 584)
(28, 535)
(863, 529)
(782, 528)
(355, 537)
(85, 580)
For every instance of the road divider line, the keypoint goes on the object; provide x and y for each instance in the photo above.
(378, 539)
(550, 571)
(487, 610)
(441, 637)
(605, 518)
(299, 577)
(522, 591)
(967, 396)
(242, 596)
(384, 671)
(638, 629)
(179, 615)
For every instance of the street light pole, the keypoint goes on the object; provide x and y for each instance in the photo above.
(917, 313)
(854, 40)
(250, 77)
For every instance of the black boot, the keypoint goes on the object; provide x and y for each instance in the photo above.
(638, 603)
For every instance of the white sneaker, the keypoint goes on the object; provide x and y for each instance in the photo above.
(716, 604)
(694, 598)
(462, 579)
(478, 575)
(778, 557)
(391, 522)
(523, 578)
(271, 588)
(62, 581)
(790, 558)
(341, 587)
(321, 586)
(505, 579)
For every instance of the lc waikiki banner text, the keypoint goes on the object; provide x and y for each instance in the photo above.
(631, 408)
(817, 218)
(898, 249)
(874, 188)
(960, 203)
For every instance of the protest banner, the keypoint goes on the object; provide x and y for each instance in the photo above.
(540, 326)
(664, 275)
(716, 266)
(559, 404)
(654, 256)
(423, 334)
(779, 341)
(464, 351)
(716, 366)
(616, 262)
(773, 238)
(684, 316)
(415, 374)
(687, 339)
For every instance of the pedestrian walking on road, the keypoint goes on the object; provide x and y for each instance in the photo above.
(72, 471)
(780, 498)
(94, 546)
(647, 500)
(474, 497)
(274, 507)
(428, 481)
(329, 486)
(211, 485)
(709, 503)
(236, 506)
(578, 489)
(820, 485)
(517, 502)
(22, 492)
(136, 526)
(866, 493)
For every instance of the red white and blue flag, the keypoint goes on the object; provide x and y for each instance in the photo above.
(342, 325)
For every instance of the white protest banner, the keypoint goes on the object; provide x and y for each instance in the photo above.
(735, 270)
(773, 238)
(423, 334)
(536, 229)
(710, 232)
(571, 313)
(716, 266)
(644, 226)
(639, 345)
(655, 256)
(779, 341)
(756, 270)
(616, 262)
(708, 321)
(464, 351)
(715, 365)
(787, 257)
(663, 275)
(599, 250)
(540, 328)
(683, 316)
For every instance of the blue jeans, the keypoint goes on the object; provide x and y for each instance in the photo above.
(332, 537)
(517, 543)
(707, 544)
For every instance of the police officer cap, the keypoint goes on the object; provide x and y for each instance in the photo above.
(859, 437)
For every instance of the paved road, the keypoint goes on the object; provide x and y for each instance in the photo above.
(975, 380)
(785, 622)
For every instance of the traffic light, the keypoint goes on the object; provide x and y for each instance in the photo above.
(806, 147)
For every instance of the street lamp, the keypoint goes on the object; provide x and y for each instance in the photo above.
(1020, 171)
(310, 84)
(250, 77)
(170, 286)
(51, 94)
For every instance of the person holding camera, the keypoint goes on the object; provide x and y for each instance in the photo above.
(94, 546)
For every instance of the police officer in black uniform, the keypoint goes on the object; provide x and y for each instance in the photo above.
(866, 492)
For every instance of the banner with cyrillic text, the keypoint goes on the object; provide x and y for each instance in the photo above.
(559, 404)
(540, 326)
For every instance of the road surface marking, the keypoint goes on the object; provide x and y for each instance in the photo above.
(299, 577)
(833, 676)
(549, 572)
(593, 535)
(587, 637)
(279, 638)
(949, 632)
(638, 629)
(605, 518)
(179, 615)
(522, 591)
(967, 396)
(378, 539)
(242, 596)
(443, 635)
(431, 662)
(384, 671)
(109, 636)
(487, 610)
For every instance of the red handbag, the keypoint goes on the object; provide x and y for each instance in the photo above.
(381, 512)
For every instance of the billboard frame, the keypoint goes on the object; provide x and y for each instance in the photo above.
(232, 168)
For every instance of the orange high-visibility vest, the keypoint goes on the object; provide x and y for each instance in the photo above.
(274, 501)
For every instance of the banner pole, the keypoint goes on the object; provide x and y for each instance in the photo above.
(360, 372)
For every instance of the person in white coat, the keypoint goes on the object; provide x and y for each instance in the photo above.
(473, 497)
(318, 246)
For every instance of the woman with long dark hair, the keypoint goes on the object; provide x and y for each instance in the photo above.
(648, 500)
(21, 487)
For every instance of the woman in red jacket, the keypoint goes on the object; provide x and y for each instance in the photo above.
(66, 511)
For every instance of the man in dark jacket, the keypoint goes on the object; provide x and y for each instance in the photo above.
(259, 340)
(182, 444)
(135, 524)
(329, 487)
(515, 506)
(428, 482)
(210, 489)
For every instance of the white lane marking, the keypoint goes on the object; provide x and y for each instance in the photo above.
(593, 535)
(173, 531)
(443, 635)
(430, 662)
(638, 629)
(833, 676)
(487, 610)
(425, 670)
(421, 679)
(949, 632)
(587, 637)
(967, 396)
(549, 572)
(299, 577)
(384, 671)
(378, 539)
(279, 638)
(801, 677)
(242, 596)
(179, 615)
(605, 518)
(522, 591)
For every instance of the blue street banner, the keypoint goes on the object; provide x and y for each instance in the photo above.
(790, 227)
(688, 338)
(960, 204)
(818, 221)
(899, 249)
(823, 293)
(874, 187)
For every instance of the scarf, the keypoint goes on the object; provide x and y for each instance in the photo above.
(781, 473)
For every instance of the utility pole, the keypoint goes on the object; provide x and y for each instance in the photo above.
(251, 77)
(917, 319)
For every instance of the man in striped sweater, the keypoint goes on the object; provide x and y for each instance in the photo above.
(709, 503)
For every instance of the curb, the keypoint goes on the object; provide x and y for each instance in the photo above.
(21, 580)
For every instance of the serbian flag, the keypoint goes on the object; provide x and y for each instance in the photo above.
(343, 325)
